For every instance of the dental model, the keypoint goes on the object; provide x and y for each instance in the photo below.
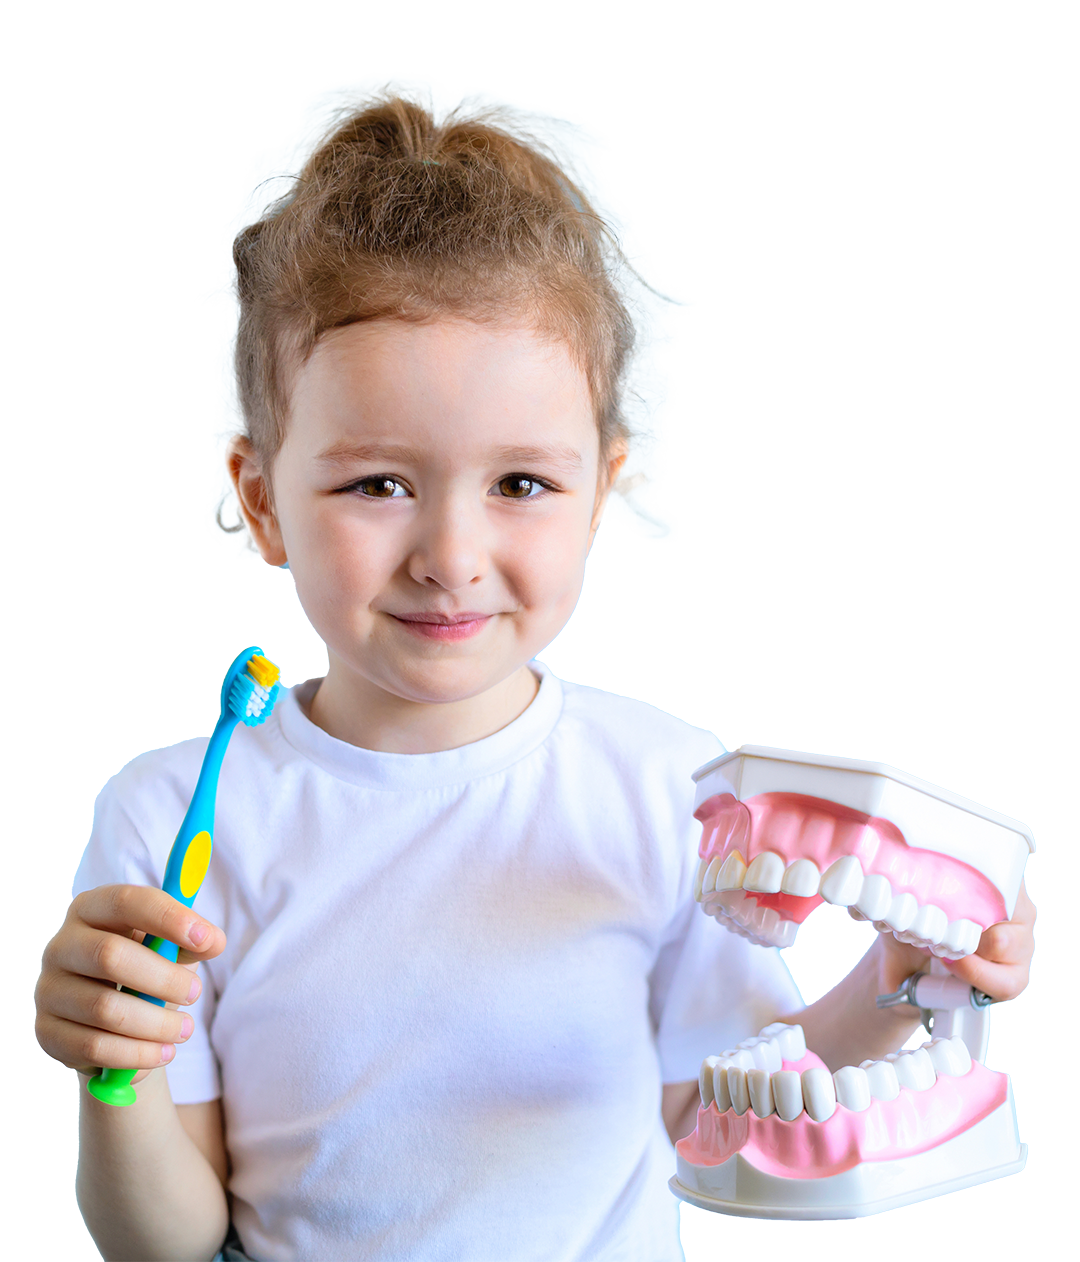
(778, 1135)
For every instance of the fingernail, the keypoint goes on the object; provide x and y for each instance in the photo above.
(186, 1027)
(193, 993)
(167, 1053)
(198, 933)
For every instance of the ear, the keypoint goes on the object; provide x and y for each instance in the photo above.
(609, 473)
(253, 491)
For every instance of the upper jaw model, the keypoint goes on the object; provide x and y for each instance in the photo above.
(778, 1135)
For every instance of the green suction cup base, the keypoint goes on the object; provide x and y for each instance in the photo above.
(115, 1093)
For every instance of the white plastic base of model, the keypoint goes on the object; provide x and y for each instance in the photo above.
(988, 1150)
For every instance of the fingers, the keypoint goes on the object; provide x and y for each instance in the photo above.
(1001, 966)
(1024, 912)
(999, 981)
(121, 908)
(86, 1024)
(93, 953)
(83, 1020)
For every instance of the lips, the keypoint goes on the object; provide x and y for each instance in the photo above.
(444, 627)
(440, 619)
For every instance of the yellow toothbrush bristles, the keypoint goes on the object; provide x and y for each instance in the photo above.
(263, 671)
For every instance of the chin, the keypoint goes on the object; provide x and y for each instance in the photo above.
(443, 683)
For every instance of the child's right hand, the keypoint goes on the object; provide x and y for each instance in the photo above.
(83, 1021)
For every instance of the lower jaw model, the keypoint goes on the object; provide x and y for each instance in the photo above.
(778, 1135)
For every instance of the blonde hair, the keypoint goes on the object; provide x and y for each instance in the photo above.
(397, 216)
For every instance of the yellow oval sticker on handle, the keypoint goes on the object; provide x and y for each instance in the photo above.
(196, 862)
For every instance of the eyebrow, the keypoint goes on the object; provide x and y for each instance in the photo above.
(340, 455)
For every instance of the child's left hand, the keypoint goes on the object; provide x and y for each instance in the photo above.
(999, 968)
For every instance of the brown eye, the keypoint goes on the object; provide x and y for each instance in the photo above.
(516, 487)
(380, 488)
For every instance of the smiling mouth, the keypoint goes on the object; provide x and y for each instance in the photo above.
(444, 627)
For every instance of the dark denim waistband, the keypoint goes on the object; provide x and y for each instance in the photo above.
(231, 1250)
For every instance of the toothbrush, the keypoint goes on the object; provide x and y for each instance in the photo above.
(247, 696)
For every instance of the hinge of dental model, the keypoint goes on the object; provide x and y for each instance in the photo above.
(927, 992)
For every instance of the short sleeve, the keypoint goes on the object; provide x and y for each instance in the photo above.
(710, 989)
(117, 855)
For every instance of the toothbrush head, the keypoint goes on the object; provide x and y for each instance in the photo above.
(251, 687)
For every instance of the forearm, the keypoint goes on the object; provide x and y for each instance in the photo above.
(145, 1190)
(845, 1026)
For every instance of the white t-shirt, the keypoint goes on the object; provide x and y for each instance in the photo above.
(454, 982)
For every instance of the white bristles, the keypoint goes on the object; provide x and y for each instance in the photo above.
(251, 701)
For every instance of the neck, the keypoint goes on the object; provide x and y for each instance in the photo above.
(359, 712)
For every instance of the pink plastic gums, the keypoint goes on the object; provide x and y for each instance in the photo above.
(805, 1149)
(799, 827)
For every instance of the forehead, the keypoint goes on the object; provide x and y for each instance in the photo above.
(447, 382)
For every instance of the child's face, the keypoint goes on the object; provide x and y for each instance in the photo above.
(436, 496)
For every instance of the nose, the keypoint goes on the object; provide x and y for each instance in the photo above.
(449, 549)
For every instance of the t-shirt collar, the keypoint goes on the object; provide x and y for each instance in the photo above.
(377, 770)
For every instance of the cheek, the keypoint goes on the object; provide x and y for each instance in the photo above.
(338, 557)
(548, 562)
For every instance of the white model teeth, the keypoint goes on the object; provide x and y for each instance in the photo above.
(759, 1084)
(740, 1057)
(852, 1088)
(842, 882)
(747, 1077)
(738, 1089)
(721, 1094)
(727, 880)
(819, 1093)
(914, 1070)
(901, 913)
(874, 897)
(785, 933)
(740, 913)
(699, 880)
(881, 1079)
(929, 925)
(723, 888)
(706, 1087)
(731, 873)
(792, 1043)
(708, 876)
(766, 1052)
(730, 900)
(765, 873)
(801, 879)
(950, 1057)
(961, 937)
(787, 1094)
(790, 1039)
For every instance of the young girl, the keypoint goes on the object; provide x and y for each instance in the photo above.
(455, 991)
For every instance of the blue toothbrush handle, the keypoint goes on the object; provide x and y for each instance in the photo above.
(189, 860)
